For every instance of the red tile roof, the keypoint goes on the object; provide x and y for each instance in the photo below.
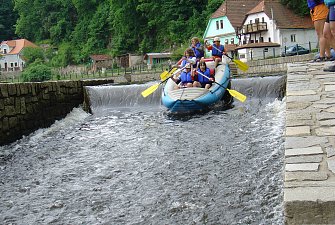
(100, 57)
(236, 10)
(18, 45)
(284, 17)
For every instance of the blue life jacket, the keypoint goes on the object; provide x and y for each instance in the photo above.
(203, 79)
(312, 3)
(215, 52)
(186, 77)
(197, 53)
(184, 62)
(329, 2)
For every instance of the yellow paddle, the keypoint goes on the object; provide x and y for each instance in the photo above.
(154, 87)
(234, 93)
(241, 65)
(167, 74)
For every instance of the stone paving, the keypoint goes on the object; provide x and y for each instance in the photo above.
(309, 192)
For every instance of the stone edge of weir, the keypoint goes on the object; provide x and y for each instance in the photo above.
(309, 168)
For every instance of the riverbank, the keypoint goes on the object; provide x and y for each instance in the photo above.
(309, 196)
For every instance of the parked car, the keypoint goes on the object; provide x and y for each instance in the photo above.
(292, 50)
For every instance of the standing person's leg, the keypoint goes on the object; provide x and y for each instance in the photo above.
(319, 15)
(332, 31)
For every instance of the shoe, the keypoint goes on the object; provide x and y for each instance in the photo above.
(320, 59)
(330, 69)
(330, 58)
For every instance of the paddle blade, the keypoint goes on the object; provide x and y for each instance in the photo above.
(167, 74)
(150, 90)
(241, 65)
(237, 95)
(164, 75)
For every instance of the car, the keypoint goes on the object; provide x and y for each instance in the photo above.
(292, 50)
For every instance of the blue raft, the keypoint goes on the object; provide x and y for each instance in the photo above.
(193, 99)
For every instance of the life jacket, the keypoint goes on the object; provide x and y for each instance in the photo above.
(198, 54)
(203, 79)
(184, 62)
(312, 3)
(186, 77)
(215, 52)
(329, 2)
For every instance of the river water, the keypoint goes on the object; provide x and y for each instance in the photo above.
(131, 162)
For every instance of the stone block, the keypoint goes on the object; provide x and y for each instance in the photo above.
(303, 142)
(298, 131)
(331, 165)
(302, 167)
(305, 176)
(325, 131)
(303, 158)
(329, 87)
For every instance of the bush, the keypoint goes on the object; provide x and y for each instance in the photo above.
(37, 72)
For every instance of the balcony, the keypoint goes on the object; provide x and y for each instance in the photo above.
(252, 28)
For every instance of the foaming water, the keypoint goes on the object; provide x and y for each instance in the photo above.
(141, 165)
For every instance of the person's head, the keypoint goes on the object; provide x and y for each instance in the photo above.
(202, 65)
(188, 67)
(216, 40)
(189, 52)
(195, 40)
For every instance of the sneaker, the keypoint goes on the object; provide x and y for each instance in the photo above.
(320, 59)
(330, 69)
(330, 58)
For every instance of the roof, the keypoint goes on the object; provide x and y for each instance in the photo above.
(100, 57)
(234, 10)
(18, 45)
(284, 17)
(158, 55)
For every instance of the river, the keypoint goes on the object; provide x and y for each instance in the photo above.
(132, 162)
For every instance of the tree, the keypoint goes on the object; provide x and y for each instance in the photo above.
(7, 20)
(298, 6)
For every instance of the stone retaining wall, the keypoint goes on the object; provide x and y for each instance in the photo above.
(273, 66)
(26, 107)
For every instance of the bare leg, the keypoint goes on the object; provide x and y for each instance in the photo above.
(324, 46)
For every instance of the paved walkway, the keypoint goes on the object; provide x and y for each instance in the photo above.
(309, 192)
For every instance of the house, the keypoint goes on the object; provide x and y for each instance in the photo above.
(157, 58)
(259, 28)
(224, 22)
(100, 61)
(269, 27)
(11, 54)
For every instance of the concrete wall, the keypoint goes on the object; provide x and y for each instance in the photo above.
(26, 107)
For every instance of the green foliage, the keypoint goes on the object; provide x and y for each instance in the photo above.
(37, 72)
(7, 20)
(31, 54)
(64, 56)
(298, 6)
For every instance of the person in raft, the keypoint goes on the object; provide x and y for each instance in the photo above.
(217, 50)
(185, 79)
(200, 80)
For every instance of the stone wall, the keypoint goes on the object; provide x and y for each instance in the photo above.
(26, 107)
(273, 66)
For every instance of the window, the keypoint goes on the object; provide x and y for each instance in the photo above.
(221, 23)
(250, 21)
(257, 20)
(15, 64)
(217, 25)
(293, 38)
(269, 39)
(11, 64)
(5, 51)
(226, 41)
(242, 56)
(232, 41)
(263, 19)
(261, 39)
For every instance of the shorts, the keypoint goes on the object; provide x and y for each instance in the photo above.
(217, 57)
(319, 12)
(331, 14)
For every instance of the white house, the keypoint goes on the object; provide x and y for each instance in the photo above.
(259, 28)
(269, 27)
(11, 54)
